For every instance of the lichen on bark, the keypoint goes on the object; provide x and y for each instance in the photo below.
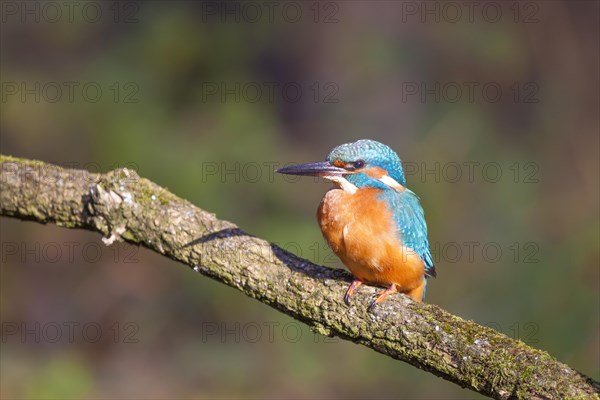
(123, 206)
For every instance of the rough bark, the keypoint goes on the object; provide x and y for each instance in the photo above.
(122, 206)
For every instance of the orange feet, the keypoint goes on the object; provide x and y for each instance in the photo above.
(355, 284)
(392, 289)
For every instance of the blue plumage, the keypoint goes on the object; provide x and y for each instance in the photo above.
(374, 153)
(410, 220)
(381, 234)
(405, 206)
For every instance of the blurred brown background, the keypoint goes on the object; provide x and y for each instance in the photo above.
(493, 107)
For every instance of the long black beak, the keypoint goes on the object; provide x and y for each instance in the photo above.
(323, 168)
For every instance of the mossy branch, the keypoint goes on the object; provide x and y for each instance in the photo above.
(122, 206)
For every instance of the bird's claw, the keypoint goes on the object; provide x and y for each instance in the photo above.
(371, 308)
(347, 299)
(382, 296)
(351, 289)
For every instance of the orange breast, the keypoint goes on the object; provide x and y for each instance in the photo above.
(361, 231)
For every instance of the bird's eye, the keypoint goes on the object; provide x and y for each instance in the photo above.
(358, 164)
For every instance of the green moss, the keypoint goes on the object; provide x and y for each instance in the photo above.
(497, 367)
(129, 236)
(145, 193)
(23, 161)
(447, 328)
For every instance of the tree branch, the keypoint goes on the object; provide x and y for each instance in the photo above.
(122, 206)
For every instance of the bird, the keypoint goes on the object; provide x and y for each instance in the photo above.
(371, 220)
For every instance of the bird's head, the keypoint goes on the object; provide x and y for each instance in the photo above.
(364, 163)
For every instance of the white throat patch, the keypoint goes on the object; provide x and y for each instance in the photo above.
(391, 182)
(343, 183)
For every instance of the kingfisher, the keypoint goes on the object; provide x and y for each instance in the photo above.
(371, 220)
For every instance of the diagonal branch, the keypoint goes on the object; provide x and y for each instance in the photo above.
(122, 206)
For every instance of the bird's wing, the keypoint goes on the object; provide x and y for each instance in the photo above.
(410, 221)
